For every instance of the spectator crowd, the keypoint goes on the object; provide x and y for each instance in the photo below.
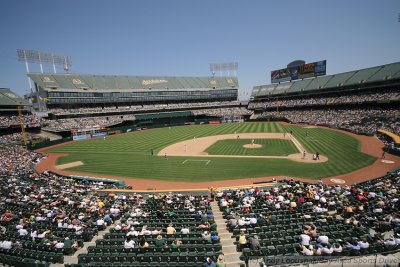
(315, 219)
(354, 119)
(144, 107)
(7, 120)
(321, 100)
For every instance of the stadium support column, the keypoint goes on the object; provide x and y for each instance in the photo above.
(54, 64)
(27, 71)
(40, 64)
(38, 97)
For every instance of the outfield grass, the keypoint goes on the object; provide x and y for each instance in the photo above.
(270, 147)
(128, 155)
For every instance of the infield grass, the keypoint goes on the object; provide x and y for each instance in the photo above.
(128, 155)
(270, 147)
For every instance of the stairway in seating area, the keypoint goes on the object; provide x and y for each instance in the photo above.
(73, 259)
(253, 116)
(228, 246)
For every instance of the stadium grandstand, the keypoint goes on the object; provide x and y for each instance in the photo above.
(68, 89)
(80, 101)
(364, 101)
(15, 113)
(380, 76)
(50, 219)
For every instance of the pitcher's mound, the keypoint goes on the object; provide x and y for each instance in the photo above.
(252, 146)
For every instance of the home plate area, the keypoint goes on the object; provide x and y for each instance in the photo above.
(252, 146)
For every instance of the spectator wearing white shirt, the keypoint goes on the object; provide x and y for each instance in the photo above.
(253, 220)
(224, 203)
(306, 251)
(377, 210)
(117, 227)
(327, 249)
(39, 218)
(59, 244)
(34, 234)
(323, 239)
(155, 231)
(43, 234)
(129, 243)
(397, 239)
(132, 232)
(22, 232)
(185, 230)
(7, 244)
(145, 231)
(336, 247)
(363, 243)
(100, 222)
(304, 239)
(389, 242)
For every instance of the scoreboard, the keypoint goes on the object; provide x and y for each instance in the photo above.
(299, 72)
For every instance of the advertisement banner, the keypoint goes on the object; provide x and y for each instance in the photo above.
(294, 73)
(320, 68)
(306, 71)
(79, 137)
(284, 75)
(275, 76)
(100, 134)
(299, 72)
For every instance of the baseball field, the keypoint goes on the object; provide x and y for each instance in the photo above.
(201, 153)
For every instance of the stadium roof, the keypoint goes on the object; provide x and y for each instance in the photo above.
(107, 82)
(356, 78)
(9, 98)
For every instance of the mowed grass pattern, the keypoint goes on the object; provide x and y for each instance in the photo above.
(128, 155)
(270, 147)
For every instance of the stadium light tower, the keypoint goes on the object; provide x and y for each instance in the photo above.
(224, 68)
(37, 57)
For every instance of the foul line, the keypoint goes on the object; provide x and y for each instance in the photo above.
(296, 143)
(207, 161)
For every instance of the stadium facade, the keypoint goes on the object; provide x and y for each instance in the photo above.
(10, 100)
(76, 90)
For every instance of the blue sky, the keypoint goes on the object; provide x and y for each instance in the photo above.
(182, 37)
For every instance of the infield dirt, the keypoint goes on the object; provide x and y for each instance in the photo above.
(196, 147)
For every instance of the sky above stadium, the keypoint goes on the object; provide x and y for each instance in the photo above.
(181, 38)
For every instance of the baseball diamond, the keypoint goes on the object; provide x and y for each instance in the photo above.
(128, 155)
(135, 153)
